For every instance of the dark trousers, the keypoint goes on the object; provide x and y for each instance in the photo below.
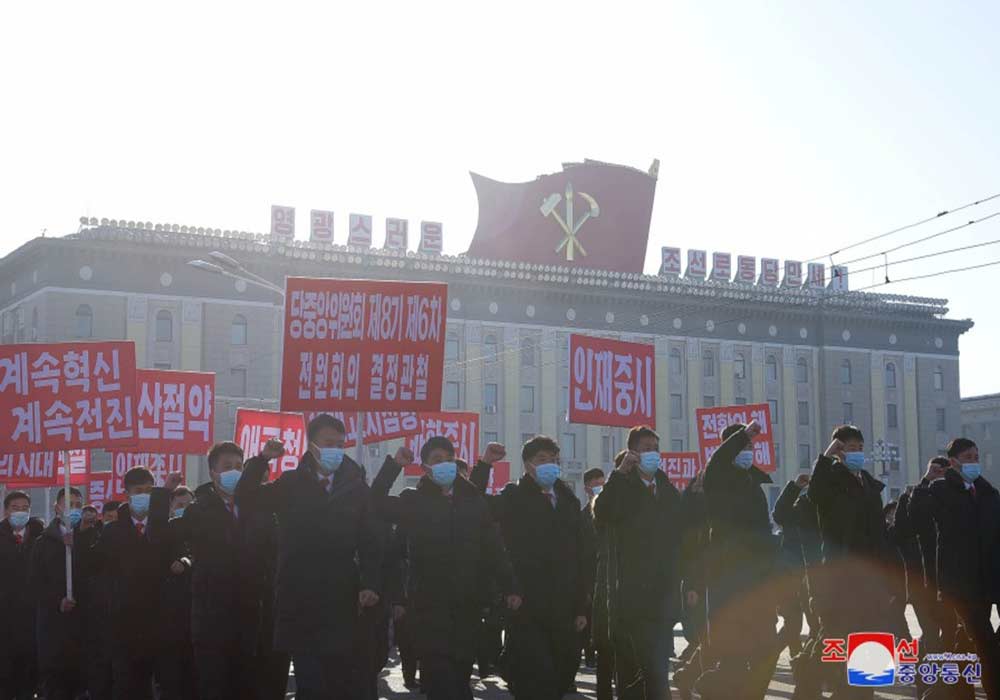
(544, 656)
(744, 643)
(324, 677)
(175, 672)
(272, 675)
(975, 617)
(489, 643)
(445, 678)
(132, 676)
(61, 684)
(225, 674)
(642, 661)
(605, 670)
(18, 674)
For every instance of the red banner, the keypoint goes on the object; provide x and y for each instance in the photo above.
(612, 382)
(99, 489)
(254, 428)
(174, 411)
(379, 425)
(64, 396)
(680, 467)
(363, 345)
(499, 477)
(462, 428)
(41, 469)
(159, 464)
(713, 421)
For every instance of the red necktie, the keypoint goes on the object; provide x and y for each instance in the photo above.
(972, 490)
(18, 540)
(140, 528)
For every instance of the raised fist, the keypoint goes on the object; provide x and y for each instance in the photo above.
(404, 456)
(629, 462)
(752, 430)
(274, 449)
(802, 480)
(494, 453)
(835, 450)
(173, 480)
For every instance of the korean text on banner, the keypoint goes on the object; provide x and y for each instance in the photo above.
(499, 477)
(713, 421)
(680, 467)
(99, 489)
(41, 469)
(159, 464)
(363, 345)
(65, 396)
(461, 427)
(254, 428)
(612, 382)
(174, 411)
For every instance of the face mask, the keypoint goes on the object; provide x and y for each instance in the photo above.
(649, 462)
(744, 460)
(971, 472)
(855, 461)
(330, 458)
(178, 513)
(596, 490)
(443, 474)
(139, 504)
(546, 475)
(75, 516)
(19, 518)
(228, 480)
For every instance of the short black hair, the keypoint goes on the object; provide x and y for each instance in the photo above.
(941, 462)
(223, 448)
(111, 506)
(462, 466)
(13, 496)
(181, 491)
(848, 432)
(539, 443)
(592, 475)
(730, 430)
(438, 442)
(638, 433)
(620, 457)
(889, 507)
(137, 476)
(90, 509)
(959, 445)
(324, 420)
(73, 491)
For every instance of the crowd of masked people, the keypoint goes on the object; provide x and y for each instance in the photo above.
(214, 594)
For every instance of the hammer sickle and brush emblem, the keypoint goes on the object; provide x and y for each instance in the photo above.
(570, 226)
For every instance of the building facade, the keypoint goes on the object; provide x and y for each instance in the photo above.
(887, 363)
(981, 423)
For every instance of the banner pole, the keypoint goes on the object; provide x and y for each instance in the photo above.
(66, 505)
(359, 447)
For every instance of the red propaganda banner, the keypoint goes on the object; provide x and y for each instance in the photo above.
(40, 469)
(379, 425)
(680, 467)
(363, 345)
(611, 382)
(99, 489)
(174, 411)
(499, 477)
(461, 427)
(159, 464)
(64, 396)
(254, 428)
(713, 421)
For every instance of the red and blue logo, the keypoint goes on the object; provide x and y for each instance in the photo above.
(871, 659)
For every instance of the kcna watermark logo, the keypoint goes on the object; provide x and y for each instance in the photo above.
(876, 659)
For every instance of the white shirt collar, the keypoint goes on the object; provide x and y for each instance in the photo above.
(136, 521)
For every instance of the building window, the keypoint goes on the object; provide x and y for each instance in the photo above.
(845, 372)
(451, 348)
(942, 423)
(567, 446)
(773, 406)
(740, 401)
(771, 368)
(803, 413)
(490, 347)
(801, 371)
(527, 351)
(491, 437)
(938, 379)
(890, 376)
(848, 413)
(676, 406)
(238, 377)
(162, 365)
(84, 322)
(708, 401)
(238, 333)
(677, 445)
(676, 364)
(490, 398)
(165, 327)
(451, 391)
(740, 366)
(891, 419)
(805, 456)
(708, 363)
(526, 436)
(527, 399)
(607, 449)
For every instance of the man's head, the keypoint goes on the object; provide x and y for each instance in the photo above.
(962, 451)
(593, 481)
(642, 438)
(538, 451)
(90, 518)
(75, 500)
(17, 502)
(109, 513)
(225, 464)
(851, 437)
(180, 499)
(326, 431)
(730, 430)
(437, 457)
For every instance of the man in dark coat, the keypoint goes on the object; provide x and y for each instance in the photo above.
(922, 585)
(640, 510)
(593, 484)
(966, 509)
(741, 560)
(793, 594)
(693, 556)
(851, 588)
(18, 532)
(550, 550)
(454, 553)
(175, 663)
(329, 556)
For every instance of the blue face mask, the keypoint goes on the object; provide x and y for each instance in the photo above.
(228, 480)
(596, 490)
(330, 459)
(178, 513)
(744, 460)
(649, 462)
(75, 516)
(443, 474)
(19, 518)
(547, 474)
(139, 504)
(971, 472)
(855, 461)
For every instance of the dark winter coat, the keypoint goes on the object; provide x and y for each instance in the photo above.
(921, 524)
(329, 548)
(902, 536)
(454, 554)
(968, 565)
(17, 604)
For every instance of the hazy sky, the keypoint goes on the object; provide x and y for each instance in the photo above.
(783, 128)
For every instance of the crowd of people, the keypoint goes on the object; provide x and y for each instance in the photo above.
(214, 593)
